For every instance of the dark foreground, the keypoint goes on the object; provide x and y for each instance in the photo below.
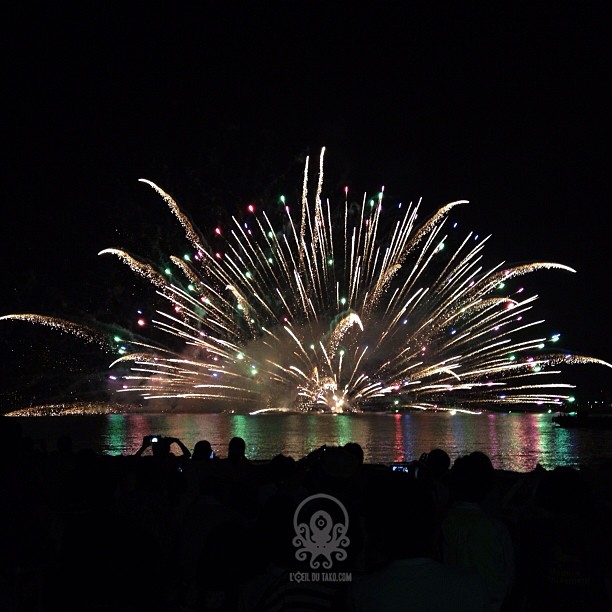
(174, 531)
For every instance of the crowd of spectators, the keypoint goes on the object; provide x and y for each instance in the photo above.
(171, 529)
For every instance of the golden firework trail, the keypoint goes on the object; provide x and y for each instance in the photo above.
(339, 309)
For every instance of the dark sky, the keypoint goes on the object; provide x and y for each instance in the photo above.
(506, 105)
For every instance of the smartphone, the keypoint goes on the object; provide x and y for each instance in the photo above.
(400, 468)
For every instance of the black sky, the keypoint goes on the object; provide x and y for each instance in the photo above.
(506, 105)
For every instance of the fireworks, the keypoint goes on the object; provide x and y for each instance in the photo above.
(329, 311)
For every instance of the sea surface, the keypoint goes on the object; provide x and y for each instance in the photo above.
(514, 441)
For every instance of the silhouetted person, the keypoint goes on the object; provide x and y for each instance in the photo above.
(272, 588)
(226, 560)
(237, 470)
(356, 450)
(562, 547)
(434, 469)
(202, 451)
(161, 446)
(236, 464)
(203, 516)
(400, 520)
(166, 467)
(280, 474)
(472, 539)
(236, 451)
(437, 462)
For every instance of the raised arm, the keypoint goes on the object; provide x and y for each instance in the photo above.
(186, 452)
(146, 442)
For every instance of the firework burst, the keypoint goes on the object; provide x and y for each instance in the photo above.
(333, 312)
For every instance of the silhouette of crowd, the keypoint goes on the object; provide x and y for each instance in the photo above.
(170, 529)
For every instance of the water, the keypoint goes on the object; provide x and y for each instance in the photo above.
(513, 441)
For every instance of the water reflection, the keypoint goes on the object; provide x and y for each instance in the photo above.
(344, 429)
(493, 438)
(116, 430)
(241, 430)
(513, 441)
(398, 441)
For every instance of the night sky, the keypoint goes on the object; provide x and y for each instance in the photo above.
(506, 105)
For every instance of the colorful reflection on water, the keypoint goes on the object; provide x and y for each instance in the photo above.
(513, 441)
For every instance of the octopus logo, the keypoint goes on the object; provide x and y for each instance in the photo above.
(317, 533)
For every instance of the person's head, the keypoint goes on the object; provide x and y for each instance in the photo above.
(356, 450)
(338, 463)
(236, 449)
(202, 451)
(438, 462)
(281, 467)
(472, 476)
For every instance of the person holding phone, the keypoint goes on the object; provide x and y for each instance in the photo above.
(161, 446)
(202, 451)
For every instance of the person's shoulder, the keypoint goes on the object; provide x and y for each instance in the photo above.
(461, 585)
(467, 585)
(427, 583)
